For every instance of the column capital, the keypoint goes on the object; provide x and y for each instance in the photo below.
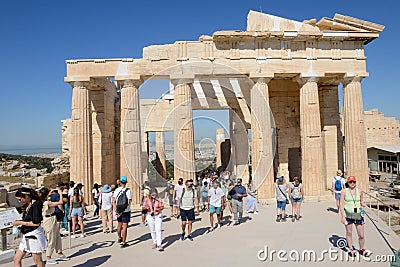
(301, 80)
(176, 81)
(261, 80)
(80, 84)
(131, 83)
(351, 79)
(255, 76)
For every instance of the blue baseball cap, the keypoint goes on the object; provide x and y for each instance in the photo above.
(280, 179)
(123, 179)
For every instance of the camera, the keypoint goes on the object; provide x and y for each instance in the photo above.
(152, 214)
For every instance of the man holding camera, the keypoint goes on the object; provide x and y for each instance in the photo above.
(187, 202)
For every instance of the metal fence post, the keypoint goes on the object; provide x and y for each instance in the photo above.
(4, 239)
(69, 233)
(370, 201)
(377, 205)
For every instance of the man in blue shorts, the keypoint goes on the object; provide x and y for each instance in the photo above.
(216, 202)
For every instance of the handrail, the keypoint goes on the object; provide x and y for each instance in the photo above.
(386, 205)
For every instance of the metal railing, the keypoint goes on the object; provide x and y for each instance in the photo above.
(378, 202)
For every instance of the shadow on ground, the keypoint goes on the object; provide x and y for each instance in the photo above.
(94, 262)
(94, 246)
(338, 242)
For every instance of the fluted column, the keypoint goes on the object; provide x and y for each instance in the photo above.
(219, 139)
(161, 163)
(356, 159)
(81, 138)
(131, 150)
(183, 131)
(312, 167)
(262, 139)
(239, 162)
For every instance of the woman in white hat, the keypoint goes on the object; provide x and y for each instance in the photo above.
(105, 202)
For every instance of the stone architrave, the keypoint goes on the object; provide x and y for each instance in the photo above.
(356, 159)
(161, 163)
(81, 138)
(312, 167)
(262, 151)
(183, 131)
(131, 150)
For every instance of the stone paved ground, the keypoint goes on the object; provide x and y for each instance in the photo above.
(231, 245)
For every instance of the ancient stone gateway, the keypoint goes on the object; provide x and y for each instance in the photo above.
(279, 78)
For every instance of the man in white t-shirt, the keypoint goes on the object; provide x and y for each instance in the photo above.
(338, 184)
(177, 193)
(216, 203)
(124, 217)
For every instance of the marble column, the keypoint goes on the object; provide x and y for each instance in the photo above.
(239, 162)
(81, 138)
(161, 163)
(356, 159)
(184, 165)
(262, 151)
(131, 149)
(312, 167)
(219, 139)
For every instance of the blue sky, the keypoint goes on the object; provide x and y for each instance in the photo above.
(37, 36)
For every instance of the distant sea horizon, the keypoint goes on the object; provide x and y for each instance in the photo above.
(31, 151)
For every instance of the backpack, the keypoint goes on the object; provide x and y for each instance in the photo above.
(183, 192)
(296, 193)
(338, 184)
(171, 190)
(122, 201)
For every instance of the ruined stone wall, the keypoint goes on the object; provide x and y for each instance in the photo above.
(381, 130)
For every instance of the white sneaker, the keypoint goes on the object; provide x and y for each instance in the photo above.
(63, 258)
(256, 212)
(51, 262)
(73, 236)
(82, 235)
(219, 225)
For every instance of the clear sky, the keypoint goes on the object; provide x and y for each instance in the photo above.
(37, 36)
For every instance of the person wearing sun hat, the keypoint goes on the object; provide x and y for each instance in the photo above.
(105, 202)
(352, 212)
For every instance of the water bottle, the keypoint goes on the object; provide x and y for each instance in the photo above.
(15, 231)
(362, 211)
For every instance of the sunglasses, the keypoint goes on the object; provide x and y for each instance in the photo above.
(352, 182)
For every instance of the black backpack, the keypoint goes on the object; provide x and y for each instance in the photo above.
(122, 201)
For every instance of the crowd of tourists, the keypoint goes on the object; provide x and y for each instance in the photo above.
(50, 213)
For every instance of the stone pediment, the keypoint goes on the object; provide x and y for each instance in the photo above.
(260, 22)
(257, 21)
